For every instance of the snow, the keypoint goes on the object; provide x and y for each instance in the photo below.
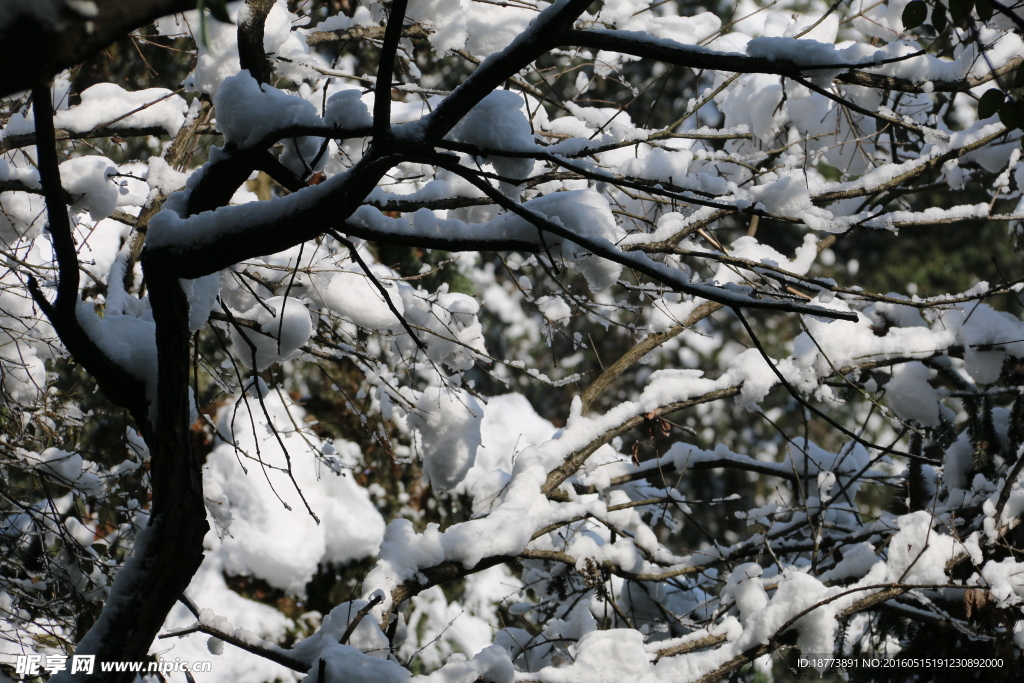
(201, 294)
(21, 353)
(613, 655)
(489, 31)
(797, 593)
(108, 104)
(167, 229)
(507, 528)
(1004, 580)
(247, 112)
(448, 424)
(210, 590)
(346, 663)
(69, 469)
(970, 326)
(282, 545)
(285, 325)
(509, 426)
(454, 335)
(918, 553)
(911, 396)
(498, 122)
(444, 631)
(660, 164)
(162, 178)
(803, 52)
(89, 180)
(744, 586)
(127, 339)
(269, 460)
(586, 213)
(446, 17)
(554, 309)
(932, 214)
(218, 58)
(690, 30)
(489, 664)
(857, 561)
(366, 636)
(350, 293)
(346, 109)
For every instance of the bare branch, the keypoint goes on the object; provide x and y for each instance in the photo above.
(385, 69)
(357, 33)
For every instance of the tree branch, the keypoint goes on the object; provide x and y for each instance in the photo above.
(641, 349)
(60, 135)
(701, 58)
(251, 53)
(357, 33)
(116, 383)
(224, 177)
(648, 267)
(42, 47)
(265, 650)
(542, 35)
(385, 70)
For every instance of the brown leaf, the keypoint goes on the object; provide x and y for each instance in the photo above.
(976, 603)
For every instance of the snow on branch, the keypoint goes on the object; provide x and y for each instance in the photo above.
(495, 341)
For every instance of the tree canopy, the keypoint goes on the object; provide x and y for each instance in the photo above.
(490, 341)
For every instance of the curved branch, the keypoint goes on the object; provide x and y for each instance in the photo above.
(887, 593)
(639, 262)
(433, 576)
(806, 404)
(575, 461)
(22, 186)
(439, 240)
(544, 33)
(116, 383)
(266, 650)
(858, 189)
(658, 188)
(880, 82)
(222, 178)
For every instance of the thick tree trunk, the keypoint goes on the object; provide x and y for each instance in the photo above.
(170, 549)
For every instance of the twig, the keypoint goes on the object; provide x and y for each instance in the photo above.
(354, 624)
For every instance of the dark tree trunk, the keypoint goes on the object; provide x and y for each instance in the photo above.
(41, 48)
(251, 53)
(172, 545)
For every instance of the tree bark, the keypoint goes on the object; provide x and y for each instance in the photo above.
(42, 45)
(251, 53)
